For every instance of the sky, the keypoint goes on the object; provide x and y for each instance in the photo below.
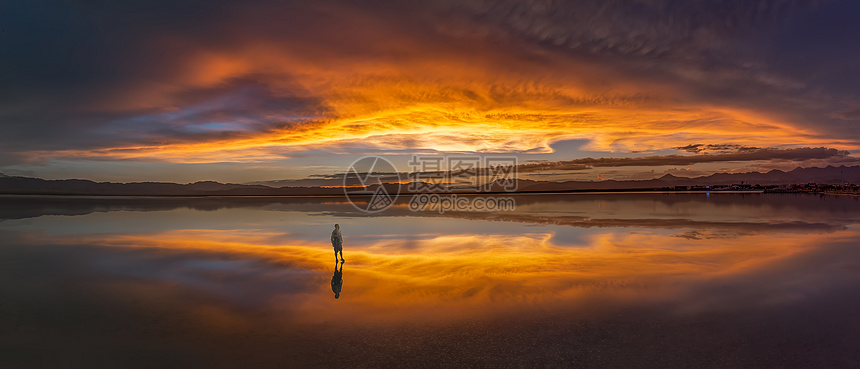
(257, 90)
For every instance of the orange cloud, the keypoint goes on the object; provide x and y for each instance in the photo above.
(449, 76)
(474, 97)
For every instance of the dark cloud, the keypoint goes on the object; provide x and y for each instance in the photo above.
(697, 148)
(643, 28)
(849, 114)
(791, 59)
(740, 155)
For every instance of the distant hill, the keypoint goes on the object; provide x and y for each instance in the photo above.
(827, 175)
(36, 186)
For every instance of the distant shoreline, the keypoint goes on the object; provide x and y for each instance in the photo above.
(585, 192)
(798, 180)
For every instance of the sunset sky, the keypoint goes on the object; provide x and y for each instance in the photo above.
(262, 90)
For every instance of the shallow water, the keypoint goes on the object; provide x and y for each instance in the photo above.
(617, 280)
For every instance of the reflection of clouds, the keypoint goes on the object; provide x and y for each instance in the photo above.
(452, 275)
(734, 227)
(808, 278)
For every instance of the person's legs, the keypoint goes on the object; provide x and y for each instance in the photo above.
(335, 255)
(341, 255)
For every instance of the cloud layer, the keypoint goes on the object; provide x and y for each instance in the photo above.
(258, 81)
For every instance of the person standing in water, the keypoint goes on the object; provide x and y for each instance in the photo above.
(337, 242)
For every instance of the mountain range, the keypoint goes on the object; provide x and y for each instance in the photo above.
(36, 186)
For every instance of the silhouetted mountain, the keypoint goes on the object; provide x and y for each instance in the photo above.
(36, 186)
(24, 185)
(827, 175)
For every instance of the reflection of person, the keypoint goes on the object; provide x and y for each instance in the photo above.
(337, 280)
(337, 242)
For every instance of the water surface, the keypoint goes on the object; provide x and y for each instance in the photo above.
(617, 280)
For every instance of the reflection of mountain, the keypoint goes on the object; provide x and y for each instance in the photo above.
(19, 207)
(722, 213)
(733, 213)
(23, 185)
